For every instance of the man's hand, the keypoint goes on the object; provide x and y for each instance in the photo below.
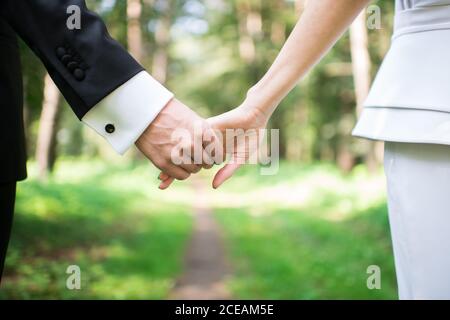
(157, 142)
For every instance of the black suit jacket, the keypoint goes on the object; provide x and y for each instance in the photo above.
(85, 64)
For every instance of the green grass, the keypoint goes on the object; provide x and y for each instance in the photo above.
(318, 247)
(106, 219)
(308, 232)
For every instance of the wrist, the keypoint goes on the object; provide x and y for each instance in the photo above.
(258, 101)
(167, 107)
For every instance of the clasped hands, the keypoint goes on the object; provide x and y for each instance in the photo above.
(181, 143)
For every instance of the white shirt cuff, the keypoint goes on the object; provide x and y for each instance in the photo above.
(123, 115)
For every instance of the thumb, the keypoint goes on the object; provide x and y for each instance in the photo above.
(225, 173)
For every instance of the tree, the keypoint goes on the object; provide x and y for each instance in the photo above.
(362, 76)
(250, 26)
(46, 139)
(360, 60)
(162, 41)
(134, 32)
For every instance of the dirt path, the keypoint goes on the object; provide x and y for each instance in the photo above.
(205, 266)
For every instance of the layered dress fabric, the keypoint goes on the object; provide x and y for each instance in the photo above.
(409, 108)
(410, 97)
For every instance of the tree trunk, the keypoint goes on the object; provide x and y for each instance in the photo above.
(162, 39)
(360, 60)
(134, 32)
(362, 77)
(46, 140)
(278, 29)
(250, 26)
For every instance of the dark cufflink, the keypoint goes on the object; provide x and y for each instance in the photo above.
(109, 128)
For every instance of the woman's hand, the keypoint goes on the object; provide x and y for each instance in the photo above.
(241, 131)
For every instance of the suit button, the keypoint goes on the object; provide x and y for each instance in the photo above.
(109, 128)
(79, 74)
(60, 52)
(72, 66)
(66, 59)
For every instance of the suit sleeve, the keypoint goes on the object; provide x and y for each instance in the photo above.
(93, 71)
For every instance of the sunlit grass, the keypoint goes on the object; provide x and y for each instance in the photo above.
(106, 219)
(308, 232)
(316, 242)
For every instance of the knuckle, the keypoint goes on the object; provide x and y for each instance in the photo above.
(161, 164)
(183, 176)
(196, 169)
(173, 161)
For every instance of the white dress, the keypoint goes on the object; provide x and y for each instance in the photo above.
(418, 179)
(409, 107)
(410, 97)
